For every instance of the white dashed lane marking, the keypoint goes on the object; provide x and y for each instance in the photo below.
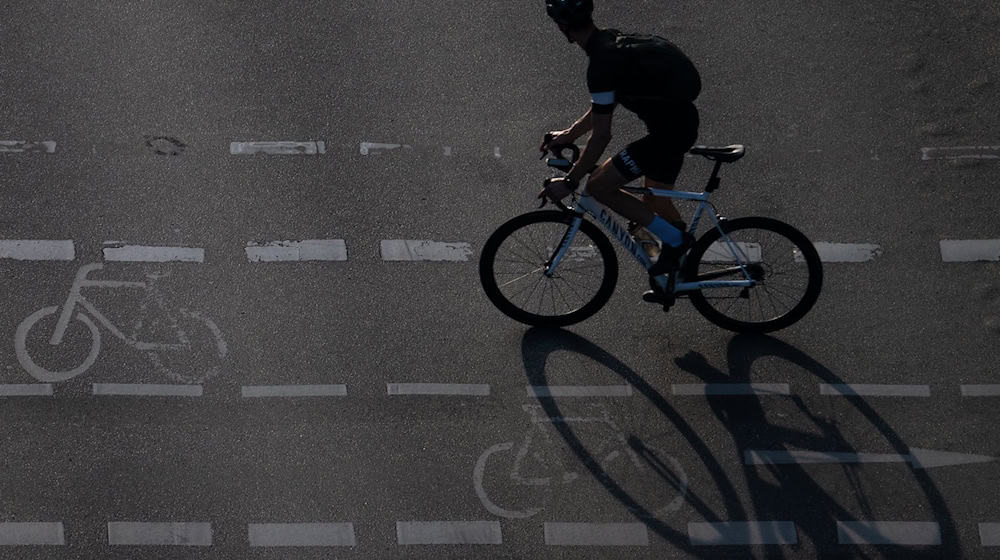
(278, 148)
(36, 250)
(906, 533)
(143, 534)
(845, 252)
(448, 532)
(961, 152)
(26, 390)
(437, 389)
(147, 390)
(989, 534)
(302, 534)
(257, 391)
(868, 390)
(917, 458)
(981, 390)
(20, 146)
(114, 251)
(308, 250)
(32, 534)
(742, 533)
(970, 250)
(375, 148)
(577, 391)
(420, 250)
(731, 389)
(596, 534)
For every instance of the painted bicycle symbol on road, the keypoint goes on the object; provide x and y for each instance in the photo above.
(190, 334)
(534, 464)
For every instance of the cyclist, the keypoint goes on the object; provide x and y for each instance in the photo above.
(654, 79)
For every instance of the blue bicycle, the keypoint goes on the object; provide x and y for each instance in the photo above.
(555, 268)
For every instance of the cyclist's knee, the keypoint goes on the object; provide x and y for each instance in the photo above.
(604, 181)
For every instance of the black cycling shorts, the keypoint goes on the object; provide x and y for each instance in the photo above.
(650, 157)
(660, 155)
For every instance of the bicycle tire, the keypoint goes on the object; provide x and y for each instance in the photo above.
(537, 258)
(804, 257)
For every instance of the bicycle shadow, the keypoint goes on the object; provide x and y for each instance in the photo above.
(745, 419)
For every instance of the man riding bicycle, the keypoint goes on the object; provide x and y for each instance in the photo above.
(655, 80)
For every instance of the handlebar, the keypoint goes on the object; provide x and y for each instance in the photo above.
(559, 159)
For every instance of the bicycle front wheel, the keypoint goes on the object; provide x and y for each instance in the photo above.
(781, 260)
(513, 264)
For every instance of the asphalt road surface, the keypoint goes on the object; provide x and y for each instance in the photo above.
(282, 349)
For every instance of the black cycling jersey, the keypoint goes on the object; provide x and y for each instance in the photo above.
(614, 77)
(655, 80)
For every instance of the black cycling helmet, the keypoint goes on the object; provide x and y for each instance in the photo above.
(571, 13)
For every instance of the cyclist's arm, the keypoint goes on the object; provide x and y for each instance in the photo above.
(599, 140)
(580, 127)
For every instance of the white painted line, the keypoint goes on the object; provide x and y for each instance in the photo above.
(906, 533)
(277, 148)
(961, 152)
(989, 534)
(557, 391)
(917, 457)
(448, 532)
(981, 390)
(302, 534)
(496, 152)
(844, 252)
(36, 250)
(596, 534)
(26, 390)
(307, 250)
(180, 534)
(142, 253)
(147, 390)
(447, 151)
(720, 252)
(32, 533)
(731, 389)
(254, 391)
(785, 457)
(418, 250)
(20, 146)
(376, 148)
(742, 533)
(870, 390)
(438, 389)
(970, 250)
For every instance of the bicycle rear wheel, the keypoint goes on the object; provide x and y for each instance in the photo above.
(514, 260)
(782, 261)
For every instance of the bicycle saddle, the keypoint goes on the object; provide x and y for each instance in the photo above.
(725, 154)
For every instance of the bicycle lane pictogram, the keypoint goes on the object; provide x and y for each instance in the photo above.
(534, 462)
(60, 342)
(803, 493)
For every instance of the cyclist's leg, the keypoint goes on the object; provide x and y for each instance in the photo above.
(650, 157)
(661, 205)
(605, 185)
(676, 131)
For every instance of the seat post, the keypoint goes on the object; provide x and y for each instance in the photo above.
(714, 180)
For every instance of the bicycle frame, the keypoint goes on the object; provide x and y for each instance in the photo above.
(586, 204)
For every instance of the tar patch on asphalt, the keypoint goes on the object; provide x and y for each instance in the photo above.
(165, 145)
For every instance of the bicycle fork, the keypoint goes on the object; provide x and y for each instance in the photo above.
(567, 240)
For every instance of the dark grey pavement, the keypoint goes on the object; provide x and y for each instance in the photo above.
(834, 103)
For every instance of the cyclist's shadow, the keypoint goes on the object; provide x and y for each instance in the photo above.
(817, 511)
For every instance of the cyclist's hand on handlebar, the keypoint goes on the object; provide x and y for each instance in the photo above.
(556, 189)
(555, 138)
